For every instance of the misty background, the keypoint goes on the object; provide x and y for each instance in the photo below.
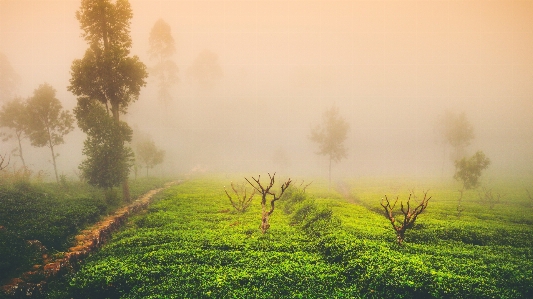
(392, 67)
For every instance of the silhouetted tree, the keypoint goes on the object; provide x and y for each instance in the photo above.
(161, 50)
(14, 116)
(9, 79)
(205, 70)
(48, 123)
(107, 74)
(148, 154)
(330, 136)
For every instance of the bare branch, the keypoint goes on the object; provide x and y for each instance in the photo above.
(3, 160)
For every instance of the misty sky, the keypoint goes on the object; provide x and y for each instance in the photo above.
(392, 67)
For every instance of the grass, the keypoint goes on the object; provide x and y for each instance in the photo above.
(190, 244)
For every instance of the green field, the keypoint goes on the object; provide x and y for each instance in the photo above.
(43, 218)
(323, 244)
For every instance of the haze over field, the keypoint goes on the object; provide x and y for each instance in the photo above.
(392, 67)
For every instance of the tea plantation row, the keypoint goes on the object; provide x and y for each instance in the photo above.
(50, 214)
(190, 244)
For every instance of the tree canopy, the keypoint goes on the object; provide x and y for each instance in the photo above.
(456, 131)
(9, 79)
(469, 170)
(47, 122)
(107, 75)
(13, 116)
(161, 50)
(148, 153)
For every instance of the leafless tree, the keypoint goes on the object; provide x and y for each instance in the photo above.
(409, 214)
(266, 192)
(243, 201)
(486, 196)
(3, 162)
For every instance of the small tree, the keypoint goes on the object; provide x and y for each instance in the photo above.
(14, 116)
(3, 162)
(148, 154)
(48, 123)
(409, 215)
(487, 197)
(243, 201)
(330, 136)
(265, 192)
(468, 171)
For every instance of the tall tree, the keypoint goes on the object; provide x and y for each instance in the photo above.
(108, 160)
(330, 136)
(107, 74)
(9, 79)
(161, 50)
(13, 116)
(48, 123)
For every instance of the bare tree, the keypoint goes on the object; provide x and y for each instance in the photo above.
(243, 201)
(486, 196)
(2, 161)
(265, 192)
(409, 215)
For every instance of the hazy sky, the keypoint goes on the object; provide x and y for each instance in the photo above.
(392, 67)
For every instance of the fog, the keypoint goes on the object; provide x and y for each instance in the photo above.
(392, 67)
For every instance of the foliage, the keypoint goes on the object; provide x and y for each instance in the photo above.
(148, 154)
(469, 170)
(108, 158)
(47, 122)
(51, 214)
(109, 76)
(161, 50)
(14, 116)
(330, 136)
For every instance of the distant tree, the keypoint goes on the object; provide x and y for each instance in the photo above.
(107, 74)
(457, 131)
(148, 153)
(409, 215)
(266, 191)
(205, 70)
(330, 136)
(9, 79)
(161, 50)
(48, 123)
(242, 200)
(14, 117)
(3, 162)
(468, 171)
(108, 160)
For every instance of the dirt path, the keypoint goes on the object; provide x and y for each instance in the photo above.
(33, 283)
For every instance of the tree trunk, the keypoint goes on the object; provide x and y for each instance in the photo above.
(329, 187)
(20, 150)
